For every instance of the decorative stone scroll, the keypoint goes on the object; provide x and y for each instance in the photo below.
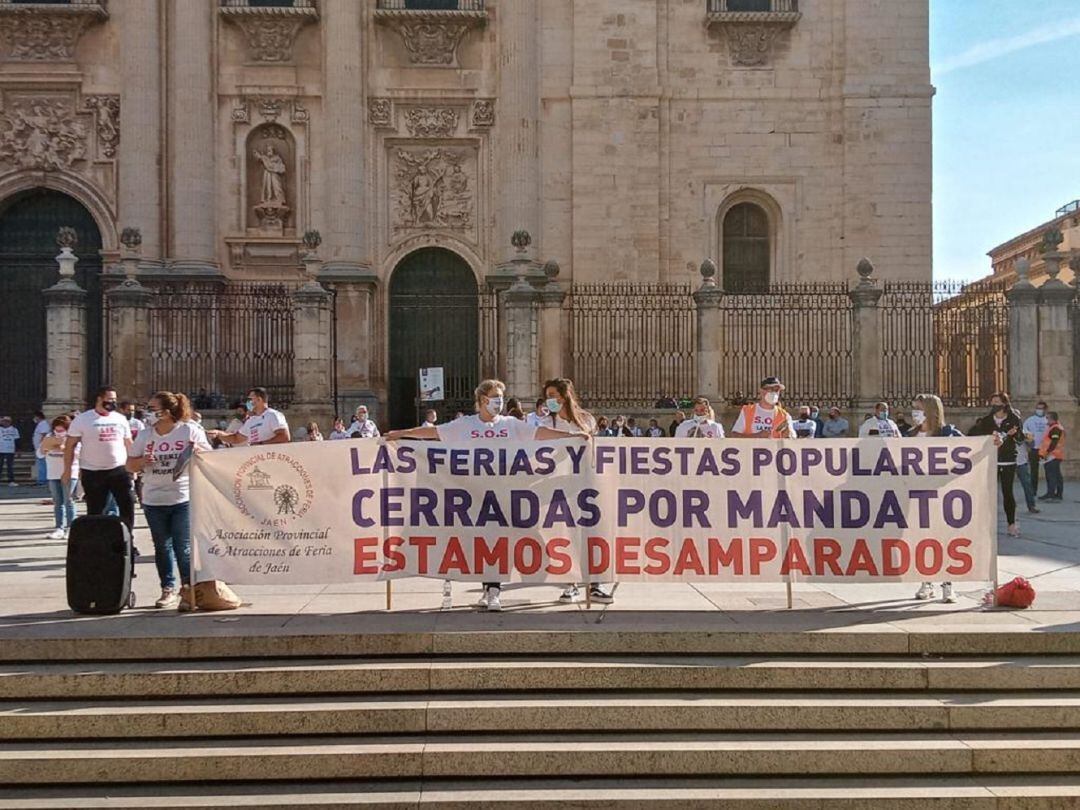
(751, 34)
(431, 122)
(433, 188)
(42, 32)
(431, 37)
(270, 31)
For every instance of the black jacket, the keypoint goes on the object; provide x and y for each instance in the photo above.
(987, 427)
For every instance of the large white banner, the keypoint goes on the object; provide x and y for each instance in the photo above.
(602, 510)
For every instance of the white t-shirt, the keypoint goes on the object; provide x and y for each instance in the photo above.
(159, 489)
(137, 426)
(763, 422)
(886, 428)
(536, 419)
(656, 432)
(42, 429)
(260, 428)
(426, 423)
(689, 429)
(470, 428)
(54, 463)
(234, 426)
(805, 426)
(338, 434)
(8, 436)
(103, 439)
(364, 430)
(565, 425)
(1037, 427)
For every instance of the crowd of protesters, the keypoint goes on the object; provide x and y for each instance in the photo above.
(117, 454)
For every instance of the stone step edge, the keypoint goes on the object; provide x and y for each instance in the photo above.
(541, 642)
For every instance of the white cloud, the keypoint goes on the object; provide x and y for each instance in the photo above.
(1001, 46)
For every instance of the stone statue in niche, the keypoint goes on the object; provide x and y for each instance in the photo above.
(268, 178)
(433, 189)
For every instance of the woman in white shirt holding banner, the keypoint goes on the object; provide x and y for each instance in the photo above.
(488, 423)
(161, 453)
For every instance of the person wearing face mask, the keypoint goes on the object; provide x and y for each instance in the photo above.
(51, 451)
(9, 437)
(339, 431)
(836, 426)
(363, 427)
(1052, 451)
(1003, 423)
(264, 425)
(928, 421)
(880, 425)
(102, 436)
(539, 414)
(240, 415)
(805, 426)
(654, 431)
(489, 423)
(127, 408)
(1035, 427)
(702, 423)
(765, 419)
(819, 423)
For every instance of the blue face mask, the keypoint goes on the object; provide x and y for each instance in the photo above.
(250, 405)
(1040, 412)
(553, 406)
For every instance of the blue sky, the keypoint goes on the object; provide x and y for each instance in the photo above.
(1006, 123)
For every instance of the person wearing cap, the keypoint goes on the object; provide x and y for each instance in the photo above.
(836, 426)
(765, 419)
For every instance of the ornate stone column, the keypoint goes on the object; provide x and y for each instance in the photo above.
(1055, 328)
(866, 337)
(708, 299)
(1023, 300)
(516, 141)
(550, 298)
(519, 334)
(311, 346)
(192, 150)
(343, 136)
(129, 325)
(65, 318)
(140, 121)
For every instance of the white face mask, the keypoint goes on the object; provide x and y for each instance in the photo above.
(59, 433)
(495, 405)
(918, 417)
(772, 397)
(701, 418)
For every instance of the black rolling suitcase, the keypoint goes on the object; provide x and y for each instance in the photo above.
(100, 560)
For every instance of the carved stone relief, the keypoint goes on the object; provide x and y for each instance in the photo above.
(107, 109)
(431, 37)
(43, 34)
(431, 122)
(270, 31)
(380, 112)
(42, 132)
(483, 113)
(750, 44)
(433, 188)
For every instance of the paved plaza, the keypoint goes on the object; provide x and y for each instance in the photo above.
(33, 604)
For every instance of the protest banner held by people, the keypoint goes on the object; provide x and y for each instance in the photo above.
(765, 419)
(263, 425)
(102, 436)
(488, 423)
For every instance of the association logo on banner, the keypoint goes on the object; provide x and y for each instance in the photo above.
(273, 489)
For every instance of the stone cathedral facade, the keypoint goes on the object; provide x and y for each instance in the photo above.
(630, 139)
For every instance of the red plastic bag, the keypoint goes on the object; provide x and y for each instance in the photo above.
(1015, 594)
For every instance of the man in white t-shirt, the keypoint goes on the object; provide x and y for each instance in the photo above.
(103, 437)
(264, 425)
(41, 430)
(701, 425)
(805, 427)
(539, 414)
(9, 437)
(127, 408)
(766, 418)
(362, 427)
(881, 425)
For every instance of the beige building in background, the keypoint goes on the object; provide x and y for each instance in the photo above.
(1030, 246)
(629, 138)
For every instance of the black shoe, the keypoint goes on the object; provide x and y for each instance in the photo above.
(1032, 510)
(1046, 497)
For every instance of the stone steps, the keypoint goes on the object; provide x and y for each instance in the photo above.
(441, 674)
(546, 713)
(487, 756)
(886, 793)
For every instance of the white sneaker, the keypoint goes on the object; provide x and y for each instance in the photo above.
(447, 595)
(926, 591)
(12, 484)
(169, 598)
(948, 595)
(601, 593)
(491, 599)
(56, 534)
(571, 594)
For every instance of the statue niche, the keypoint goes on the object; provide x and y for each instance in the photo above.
(271, 180)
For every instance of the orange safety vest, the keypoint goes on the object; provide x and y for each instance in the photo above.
(1059, 448)
(780, 417)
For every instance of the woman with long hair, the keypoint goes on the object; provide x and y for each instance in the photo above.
(490, 422)
(1003, 423)
(928, 421)
(156, 453)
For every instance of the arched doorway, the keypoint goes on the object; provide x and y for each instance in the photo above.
(434, 321)
(29, 222)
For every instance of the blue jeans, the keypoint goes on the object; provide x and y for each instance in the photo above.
(9, 460)
(63, 502)
(170, 526)
(1023, 472)
(42, 473)
(1055, 483)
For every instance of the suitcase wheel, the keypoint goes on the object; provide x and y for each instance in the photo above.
(131, 599)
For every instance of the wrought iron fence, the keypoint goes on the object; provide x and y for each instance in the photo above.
(431, 5)
(947, 338)
(223, 339)
(732, 6)
(798, 332)
(632, 344)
